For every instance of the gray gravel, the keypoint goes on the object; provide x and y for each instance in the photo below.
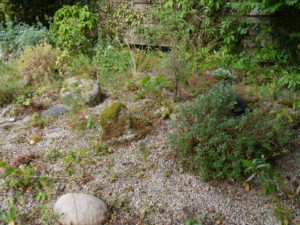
(156, 192)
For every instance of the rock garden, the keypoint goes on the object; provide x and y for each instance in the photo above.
(95, 130)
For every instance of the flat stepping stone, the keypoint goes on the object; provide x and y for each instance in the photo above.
(54, 112)
(80, 209)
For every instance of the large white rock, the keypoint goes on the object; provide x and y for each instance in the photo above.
(86, 89)
(80, 209)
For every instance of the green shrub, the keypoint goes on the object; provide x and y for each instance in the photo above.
(207, 135)
(14, 37)
(37, 63)
(70, 27)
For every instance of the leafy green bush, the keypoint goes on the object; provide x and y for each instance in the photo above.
(70, 27)
(14, 37)
(208, 136)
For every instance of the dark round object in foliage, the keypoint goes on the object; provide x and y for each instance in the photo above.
(209, 138)
(240, 106)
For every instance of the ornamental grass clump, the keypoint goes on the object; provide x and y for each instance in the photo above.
(212, 139)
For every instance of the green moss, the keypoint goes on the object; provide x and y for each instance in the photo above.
(111, 113)
(116, 120)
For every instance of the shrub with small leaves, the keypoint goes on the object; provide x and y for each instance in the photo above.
(210, 138)
(37, 63)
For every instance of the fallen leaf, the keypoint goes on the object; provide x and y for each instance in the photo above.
(290, 196)
(246, 186)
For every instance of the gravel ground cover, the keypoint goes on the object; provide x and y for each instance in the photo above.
(155, 189)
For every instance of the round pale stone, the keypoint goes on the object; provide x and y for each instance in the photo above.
(80, 209)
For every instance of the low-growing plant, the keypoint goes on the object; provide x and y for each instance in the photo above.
(195, 221)
(47, 217)
(225, 75)
(11, 85)
(270, 182)
(37, 121)
(12, 214)
(210, 136)
(22, 177)
(143, 151)
(153, 86)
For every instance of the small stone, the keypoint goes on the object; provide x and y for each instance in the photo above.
(54, 112)
(7, 119)
(80, 209)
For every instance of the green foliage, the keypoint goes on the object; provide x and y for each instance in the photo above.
(210, 138)
(12, 214)
(11, 85)
(203, 23)
(195, 221)
(281, 29)
(111, 58)
(290, 80)
(153, 86)
(225, 75)
(74, 103)
(270, 182)
(14, 37)
(269, 54)
(143, 151)
(70, 28)
(22, 178)
(267, 6)
(114, 20)
(37, 121)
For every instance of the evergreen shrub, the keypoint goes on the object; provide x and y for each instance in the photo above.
(211, 139)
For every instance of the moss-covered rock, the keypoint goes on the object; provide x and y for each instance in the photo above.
(115, 121)
(119, 124)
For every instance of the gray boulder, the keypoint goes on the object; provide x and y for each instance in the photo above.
(54, 112)
(80, 209)
(86, 89)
